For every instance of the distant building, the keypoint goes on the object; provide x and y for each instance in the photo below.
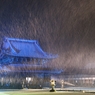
(24, 59)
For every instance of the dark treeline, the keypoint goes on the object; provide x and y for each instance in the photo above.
(63, 27)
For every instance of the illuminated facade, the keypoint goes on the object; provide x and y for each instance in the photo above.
(25, 59)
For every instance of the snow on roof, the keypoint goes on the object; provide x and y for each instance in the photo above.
(24, 48)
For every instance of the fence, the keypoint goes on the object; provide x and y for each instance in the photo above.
(75, 80)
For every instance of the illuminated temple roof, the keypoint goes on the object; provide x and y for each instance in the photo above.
(24, 48)
(20, 49)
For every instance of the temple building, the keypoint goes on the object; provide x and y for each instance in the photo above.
(24, 62)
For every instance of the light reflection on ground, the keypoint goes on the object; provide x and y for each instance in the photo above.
(46, 91)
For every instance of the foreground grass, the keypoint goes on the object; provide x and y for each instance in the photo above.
(43, 93)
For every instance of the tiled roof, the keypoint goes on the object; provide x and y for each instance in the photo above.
(24, 48)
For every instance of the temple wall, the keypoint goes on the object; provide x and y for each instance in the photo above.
(17, 81)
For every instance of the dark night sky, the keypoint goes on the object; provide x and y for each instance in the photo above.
(63, 27)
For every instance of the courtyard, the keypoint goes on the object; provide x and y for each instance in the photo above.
(43, 92)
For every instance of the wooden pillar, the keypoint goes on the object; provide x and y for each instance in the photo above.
(16, 59)
(25, 60)
(39, 61)
(21, 60)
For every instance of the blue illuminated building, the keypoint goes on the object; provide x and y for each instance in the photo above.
(24, 62)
